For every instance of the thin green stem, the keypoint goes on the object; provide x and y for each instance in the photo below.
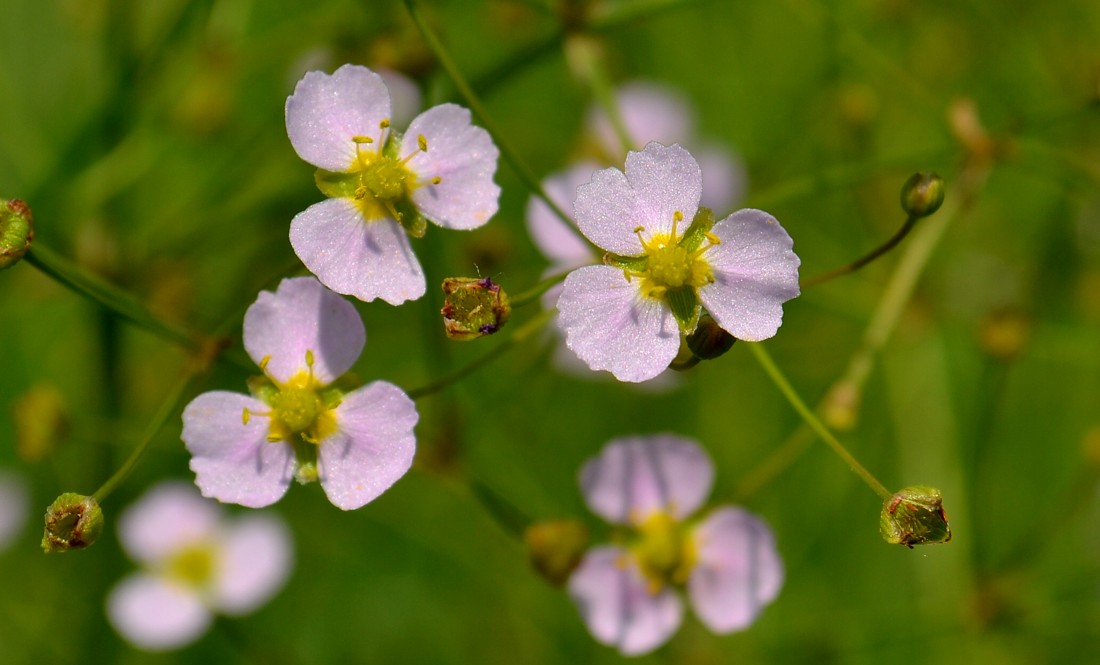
(520, 335)
(862, 261)
(506, 150)
(532, 294)
(780, 381)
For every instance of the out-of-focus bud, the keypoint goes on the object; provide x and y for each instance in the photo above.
(473, 308)
(16, 231)
(555, 548)
(922, 194)
(1004, 333)
(73, 522)
(840, 409)
(41, 420)
(709, 340)
(915, 516)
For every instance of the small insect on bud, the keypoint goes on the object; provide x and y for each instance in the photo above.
(922, 194)
(473, 308)
(709, 340)
(16, 231)
(915, 516)
(73, 522)
(555, 548)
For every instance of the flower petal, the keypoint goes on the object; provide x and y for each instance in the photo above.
(618, 608)
(154, 615)
(350, 255)
(464, 157)
(610, 325)
(14, 505)
(255, 562)
(739, 569)
(303, 316)
(554, 238)
(373, 448)
(659, 181)
(725, 179)
(233, 461)
(755, 272)
(325, 112)
(636, 476)
(168, 517)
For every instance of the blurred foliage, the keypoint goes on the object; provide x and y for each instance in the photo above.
(148, 139)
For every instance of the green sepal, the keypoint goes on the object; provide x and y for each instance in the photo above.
(915, 516)
(262, 389)
(305, 454)
(336, 184)
(630, 263)
(393, 144)
(684, 304)
(410, 218)
(697, 232)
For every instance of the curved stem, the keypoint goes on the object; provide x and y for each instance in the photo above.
(860, 262)
(532, 294)
(777, 377)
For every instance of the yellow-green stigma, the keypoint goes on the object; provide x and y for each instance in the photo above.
(376, 180)
(194, 565)
(298, 408)
(670, 265)
(665, 551)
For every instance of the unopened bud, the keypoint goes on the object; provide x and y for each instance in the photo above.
(16, 231)
(915, 516)
(709, 340)
(922, 194)
(555, 548)
(73, 522)
(473, 308)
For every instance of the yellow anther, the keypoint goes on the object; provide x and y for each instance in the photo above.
(677, 216)
(263, 363)
(362, 139)
(714, 240)
(422, 142)
(245, 416)
(436, 180)
(309, 358)
(384, 124)
(361, 192)
(639, 229)
(274, 438)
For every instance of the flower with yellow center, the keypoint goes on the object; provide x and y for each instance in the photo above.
(297, 424)
(668, 261)
(383, 186)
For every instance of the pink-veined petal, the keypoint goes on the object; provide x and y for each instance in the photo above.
(636, 476)
(254, 564)
(618, 608)
(725, 179)
(650, 112)
(755, 272)
(373, 447)
(738, 572)
(350, 255)
(464, 157)
(155, 615)
(303, 316)
(233, 461)
(558, 241)
(168, 517)
(327, 111)
(610, 325)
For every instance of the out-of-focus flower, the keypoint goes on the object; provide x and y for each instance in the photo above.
(14, 504)
(296, 424)
(195, 563)
(382, 186)
(653, 112)
(727, 561)
(667, 261)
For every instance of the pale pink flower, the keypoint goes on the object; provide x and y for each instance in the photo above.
(727, 561)
(195, 563)
(382, 185)
(14, 507)
(246, 449)
(665, 266)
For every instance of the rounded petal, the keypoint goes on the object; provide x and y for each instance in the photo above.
(610, 325)
(14, 506)
(464, 157)
(739, 569)
(325, 112)
(350, 255)
(233, 461)
(373, 448)
(165, 519)
(558, 241)
(636, 476)
(725, 179)
(650, 112)
(618, 608)
(755, 272)
(659, 181)
(256, 560)
(154, 615)
(301, 317)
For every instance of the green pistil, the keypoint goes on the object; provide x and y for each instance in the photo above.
(193, 565)
(665, 552)
(297, 408)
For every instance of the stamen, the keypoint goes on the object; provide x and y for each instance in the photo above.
(245, 416)
(309, 361)
(274, 438)
(422, 142)
(361, 139)
(263, 363)
(436, 180)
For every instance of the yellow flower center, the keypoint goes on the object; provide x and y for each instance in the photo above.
(665, 551)
(299, 408)
(193, 566)
(669, 265)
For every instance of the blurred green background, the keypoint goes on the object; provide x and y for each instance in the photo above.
(148, 138)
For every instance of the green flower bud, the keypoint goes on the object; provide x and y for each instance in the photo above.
(473, 308)
(16, 231)
(41, 420)
(922, 194)
(73, 522)
(555, 548)
(915, 516)
(709, 340)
